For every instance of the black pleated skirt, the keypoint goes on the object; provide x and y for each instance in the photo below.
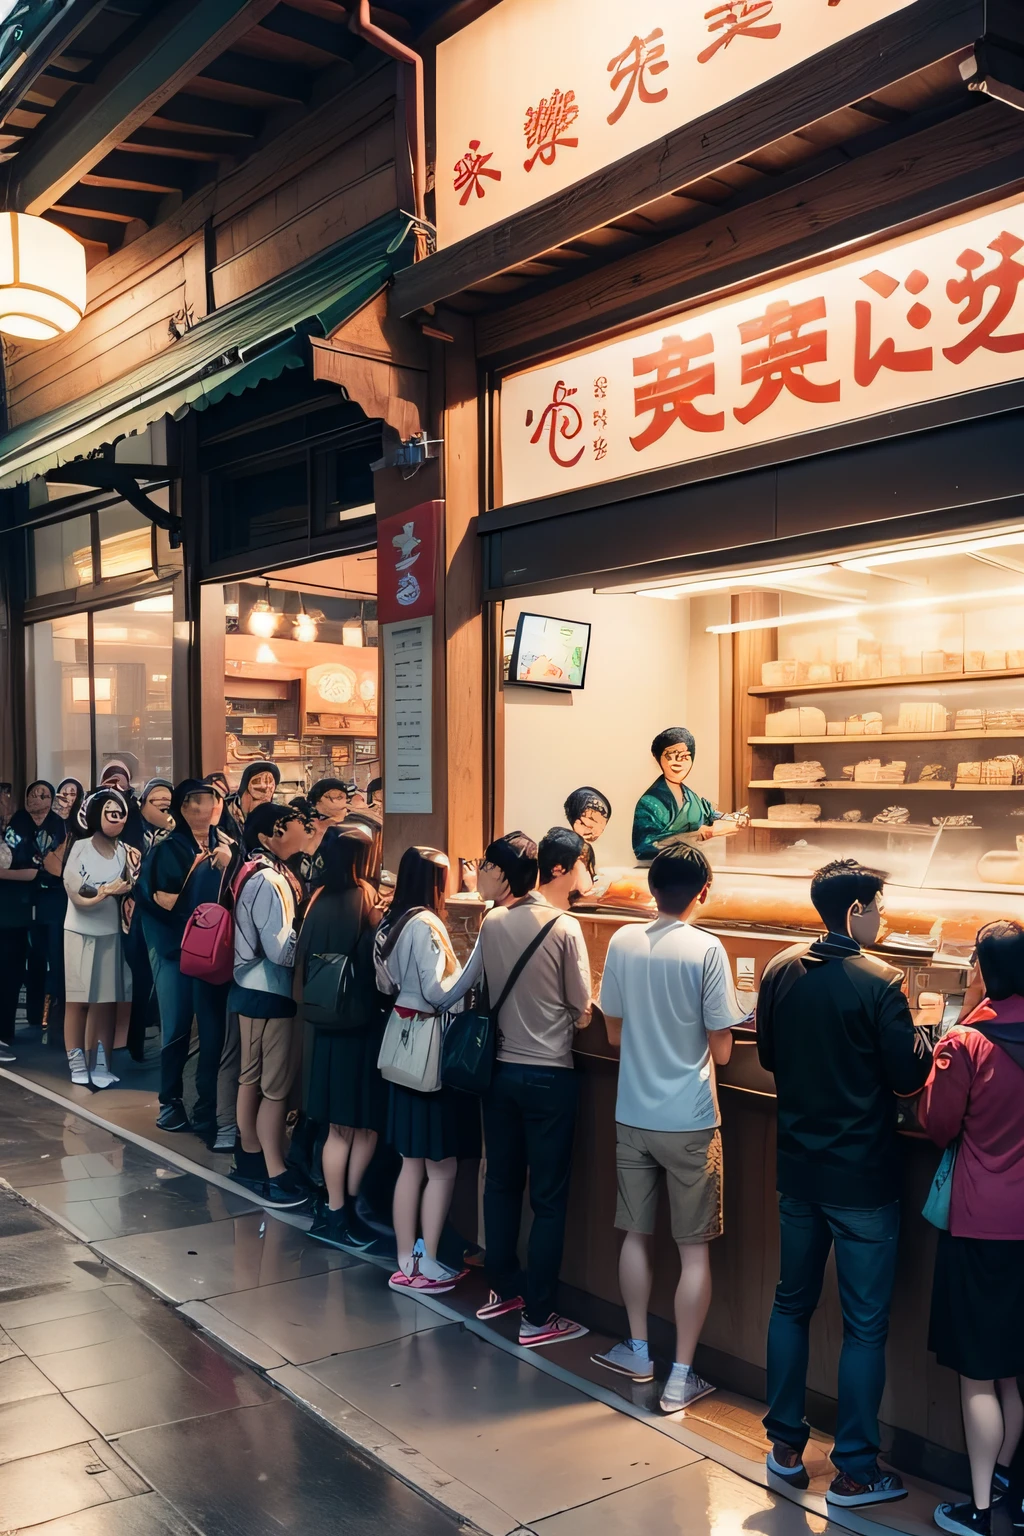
(433, 1125)
(345, 1086)
(977, 1318)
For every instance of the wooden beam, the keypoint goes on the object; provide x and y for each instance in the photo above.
(144, 173)
(331, 37)
(120, 204)
(286, 82)
(873, 59)
(42, 50)
(126, 94)
(217, 116)
(973, 155)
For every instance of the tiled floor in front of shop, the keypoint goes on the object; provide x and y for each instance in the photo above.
(513, 1440)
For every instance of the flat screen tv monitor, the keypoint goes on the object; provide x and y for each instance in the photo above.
(549, 653)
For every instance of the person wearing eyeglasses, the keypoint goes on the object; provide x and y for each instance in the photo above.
(98, 873)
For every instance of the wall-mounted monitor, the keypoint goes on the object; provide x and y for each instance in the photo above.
(549, 653)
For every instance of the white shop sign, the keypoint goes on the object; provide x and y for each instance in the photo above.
(408, 713)
(915, 319)
(536, 94)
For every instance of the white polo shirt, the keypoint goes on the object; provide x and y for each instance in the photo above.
(671, 986)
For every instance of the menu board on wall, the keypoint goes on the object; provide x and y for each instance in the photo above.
(532, 98)
(408, 680)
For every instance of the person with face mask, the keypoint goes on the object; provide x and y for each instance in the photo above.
(117, 774)
(32, 901)
(155, 807)
(186, 867)
(97, 874)
(67, 802)
(835, 1028)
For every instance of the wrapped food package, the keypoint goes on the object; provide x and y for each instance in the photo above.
(792, 814)
(892, 816)
(873, 771)
(974, 661)
(933, 773)
(954, 661)
(994, 661)
(920, 718)
(1015, 659)
(969, 720)
(798, 773)
(778, 674)
(968, 773)
(805, 721)
(911, 664)
(836, 728)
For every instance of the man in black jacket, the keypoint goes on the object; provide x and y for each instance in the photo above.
(834, 1027)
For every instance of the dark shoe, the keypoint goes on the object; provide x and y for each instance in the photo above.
(6, 1054)
(172, 1117)
(331, 1227)
(885, 1488)
(787, 1465)
(366, 1213)
(362, 1235)
(250, 1170)
(1000, 1487)
(284, 1194)
(963, 1517)
(1017, 1514)
(206, 1132)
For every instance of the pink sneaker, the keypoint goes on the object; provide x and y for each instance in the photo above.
(555, 1331)
(497, 1306)
(418, 1284)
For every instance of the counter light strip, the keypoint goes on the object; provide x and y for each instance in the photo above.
(852, 610)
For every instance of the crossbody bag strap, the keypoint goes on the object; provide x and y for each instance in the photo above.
(521, 964)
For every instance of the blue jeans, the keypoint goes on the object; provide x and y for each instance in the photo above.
(529, 1124)
(180, 999)
(865, 1243)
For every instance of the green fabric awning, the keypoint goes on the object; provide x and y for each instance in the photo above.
(250, 341)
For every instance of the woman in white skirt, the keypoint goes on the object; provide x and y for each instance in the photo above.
(98, 872)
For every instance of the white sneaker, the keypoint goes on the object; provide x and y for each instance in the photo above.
(103, 1079)
(78, 1069)
(227, 1135)
(625, 1359)
(557, 1330)
(682, 1391)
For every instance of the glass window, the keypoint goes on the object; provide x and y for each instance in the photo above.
(264, 507)
(62, 555)
(126, 541)
(344, 486)
(132, 672)
(58, 656)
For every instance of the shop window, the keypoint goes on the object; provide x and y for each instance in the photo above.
(100, 687)
(260, 508)
(343, 484)
(126, 541)
(62, 556)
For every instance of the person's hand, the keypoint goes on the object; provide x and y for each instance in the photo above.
(706, 833)
(469, 875)
(115, 888)
(220, 858)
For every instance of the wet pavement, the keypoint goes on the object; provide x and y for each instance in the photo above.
(178, 1360)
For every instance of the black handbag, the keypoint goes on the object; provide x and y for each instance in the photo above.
(470, 1039)
(339, 996)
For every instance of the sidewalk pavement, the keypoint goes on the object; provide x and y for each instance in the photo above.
(507, 1440)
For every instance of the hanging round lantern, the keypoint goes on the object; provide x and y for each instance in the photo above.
(42, 278)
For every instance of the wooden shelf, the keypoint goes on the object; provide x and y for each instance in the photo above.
(797, 741)
(892, 789)
(907, 680)
(856, 826)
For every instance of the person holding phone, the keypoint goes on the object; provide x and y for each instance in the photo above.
(98, 873)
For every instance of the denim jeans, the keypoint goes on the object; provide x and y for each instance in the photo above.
(180, 999)
(529, 1124)
(865, 1243)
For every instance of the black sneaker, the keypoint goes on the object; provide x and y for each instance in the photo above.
(884, 1488)
(284, 1194)
(787, 1465)
(172, 1117)
(1000, 1487)
(6, 1054)
(963, 1517)
(250, 1170)
(331, 1227)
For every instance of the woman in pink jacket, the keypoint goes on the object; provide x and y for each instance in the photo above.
(976, 1092)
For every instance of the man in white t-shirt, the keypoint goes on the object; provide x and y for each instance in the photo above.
(669, 1003)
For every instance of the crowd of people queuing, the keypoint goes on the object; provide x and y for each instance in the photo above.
(332, 1012)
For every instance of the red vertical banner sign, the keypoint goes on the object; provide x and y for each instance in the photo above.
(408, 554)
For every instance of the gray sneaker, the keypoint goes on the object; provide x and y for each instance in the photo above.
(683, 1391)
(624, 1359)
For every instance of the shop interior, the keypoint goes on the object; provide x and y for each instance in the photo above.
(296, 652)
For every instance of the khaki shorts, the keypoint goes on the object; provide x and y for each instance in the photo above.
(692, 1164)
(270, 1055)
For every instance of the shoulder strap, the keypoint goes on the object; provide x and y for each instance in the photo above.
(523, 961)
(394, 930)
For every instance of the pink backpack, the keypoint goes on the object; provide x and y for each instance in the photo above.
(208, 943)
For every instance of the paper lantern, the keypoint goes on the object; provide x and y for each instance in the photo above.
(42, 278)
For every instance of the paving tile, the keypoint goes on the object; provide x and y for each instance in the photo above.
(222, 1257)
(60, 1484)
(146, 1515)
(261, 1471)
(144, 1205)
(700, 1500)
(164, 1392)
(17, 1218)
(93, 1327)
(98, 1365)
(44, 1309)
(238, 1340)
(43, 1262)
(344, 1309)
(19, 1378)
(484, 1415)
(39, 1424)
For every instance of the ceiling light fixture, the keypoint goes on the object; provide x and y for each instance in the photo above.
(264, 617)
(42, 278)
(305, 629)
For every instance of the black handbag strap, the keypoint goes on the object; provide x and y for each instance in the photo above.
(521, 964)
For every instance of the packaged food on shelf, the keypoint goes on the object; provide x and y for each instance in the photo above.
(933, 661)
(1007, 768)
(820, 672)
(1015, 659)
(892, 816)
(794, 813)
(835, 728)
(778, 674)
(1004, 719)
(922, 717)
(974, 661)
(994, 661)
(954, 821)
(969, 720)
(1003, 866)
(873, 771)
(892, 657)
(911, 664)
(853, 815)
(798, 773)
(805, 721)
(933, 773)
(968, 773)
(954, 661)
(867, 724)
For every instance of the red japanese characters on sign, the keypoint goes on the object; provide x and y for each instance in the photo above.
(630, 69)
(625, 77)
(471, 170)
(408, 546)
(546, 127)
(916, 319)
